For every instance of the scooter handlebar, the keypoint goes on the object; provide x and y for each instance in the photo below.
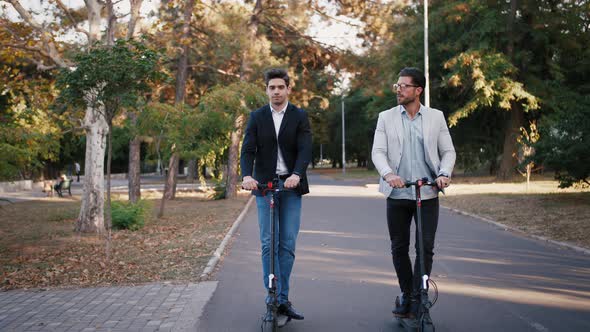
(272, 185)
(420, 183)
(266, 186)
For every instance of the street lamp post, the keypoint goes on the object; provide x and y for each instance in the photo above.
(427, 88)
(343, 140)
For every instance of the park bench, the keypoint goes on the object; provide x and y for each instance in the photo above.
(64, 185)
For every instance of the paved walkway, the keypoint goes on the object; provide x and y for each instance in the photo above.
(152, 307)
(509, 291)
(343, 280)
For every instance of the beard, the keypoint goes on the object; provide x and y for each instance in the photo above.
(404, 100)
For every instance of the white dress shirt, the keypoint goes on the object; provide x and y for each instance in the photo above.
(277, 118)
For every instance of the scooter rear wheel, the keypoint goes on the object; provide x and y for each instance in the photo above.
(269, 326)
(426, 326)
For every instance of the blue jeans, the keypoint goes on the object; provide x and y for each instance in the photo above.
(288, 206)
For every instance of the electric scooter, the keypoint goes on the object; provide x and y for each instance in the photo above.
(422, 322)
(272, 320)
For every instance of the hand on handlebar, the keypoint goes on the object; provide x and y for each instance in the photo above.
(292, 181)
(443, 182)
(249, 183)
(394, 181)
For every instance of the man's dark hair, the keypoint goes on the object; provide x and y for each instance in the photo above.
(416, 74)
(276, 73)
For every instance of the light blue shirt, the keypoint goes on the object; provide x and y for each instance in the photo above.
(413, 163)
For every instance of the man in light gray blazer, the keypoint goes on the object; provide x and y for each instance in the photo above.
(411, 142)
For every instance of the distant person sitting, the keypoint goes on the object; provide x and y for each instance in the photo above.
(58, 182)
(62, 183)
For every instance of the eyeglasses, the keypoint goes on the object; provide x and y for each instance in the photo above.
(403, 86)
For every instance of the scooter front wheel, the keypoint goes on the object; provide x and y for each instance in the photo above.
(269, 322)
(269, 326)
(426, 326)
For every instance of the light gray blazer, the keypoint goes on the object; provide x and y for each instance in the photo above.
(389, 140)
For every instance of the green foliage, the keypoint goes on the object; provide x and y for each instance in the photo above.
(486, 80)
(110, 76)
(475, 75)
(219, 190)
(481, 66)
(219, 109)
(564, 140)
(128, 215)
(200, 132)
(29, 132)
(234, 99)
(120, 157)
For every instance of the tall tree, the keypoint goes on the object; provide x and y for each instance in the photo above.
(45, 45)
(181, 77)
(116, 75)
(134, 168)
(245, 76)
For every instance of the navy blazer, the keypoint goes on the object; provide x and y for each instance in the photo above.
(260, 149)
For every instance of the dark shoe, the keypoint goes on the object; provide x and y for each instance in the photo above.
(288, 310)
(402, 305)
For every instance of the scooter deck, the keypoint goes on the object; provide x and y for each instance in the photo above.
(413, 324)
(267, 326)
(282, 320)
(408, 323)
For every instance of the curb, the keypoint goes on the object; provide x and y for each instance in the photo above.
(514, 229)
(217, 254)
(189, 318)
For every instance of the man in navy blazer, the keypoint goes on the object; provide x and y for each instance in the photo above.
(277, 144)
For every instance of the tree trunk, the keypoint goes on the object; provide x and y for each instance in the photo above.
(512, 33)
(493, 170)
(133, 174)
(91, 217)
(94, 8)
(191, 170)
(108, 216)
(509, 154)
(111, 22)
(232, 171)
(174, 172)
(108, 223)
(181, 76)
(232, 175)
(134, 17)
(167, 194)
(182, 71)
(510, 151)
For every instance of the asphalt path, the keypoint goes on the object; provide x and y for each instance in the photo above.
(488, 279)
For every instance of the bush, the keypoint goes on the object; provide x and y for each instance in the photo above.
(126, 215)
(219, 190)
(564, 140)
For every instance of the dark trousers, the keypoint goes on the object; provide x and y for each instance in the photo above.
(399, 220)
